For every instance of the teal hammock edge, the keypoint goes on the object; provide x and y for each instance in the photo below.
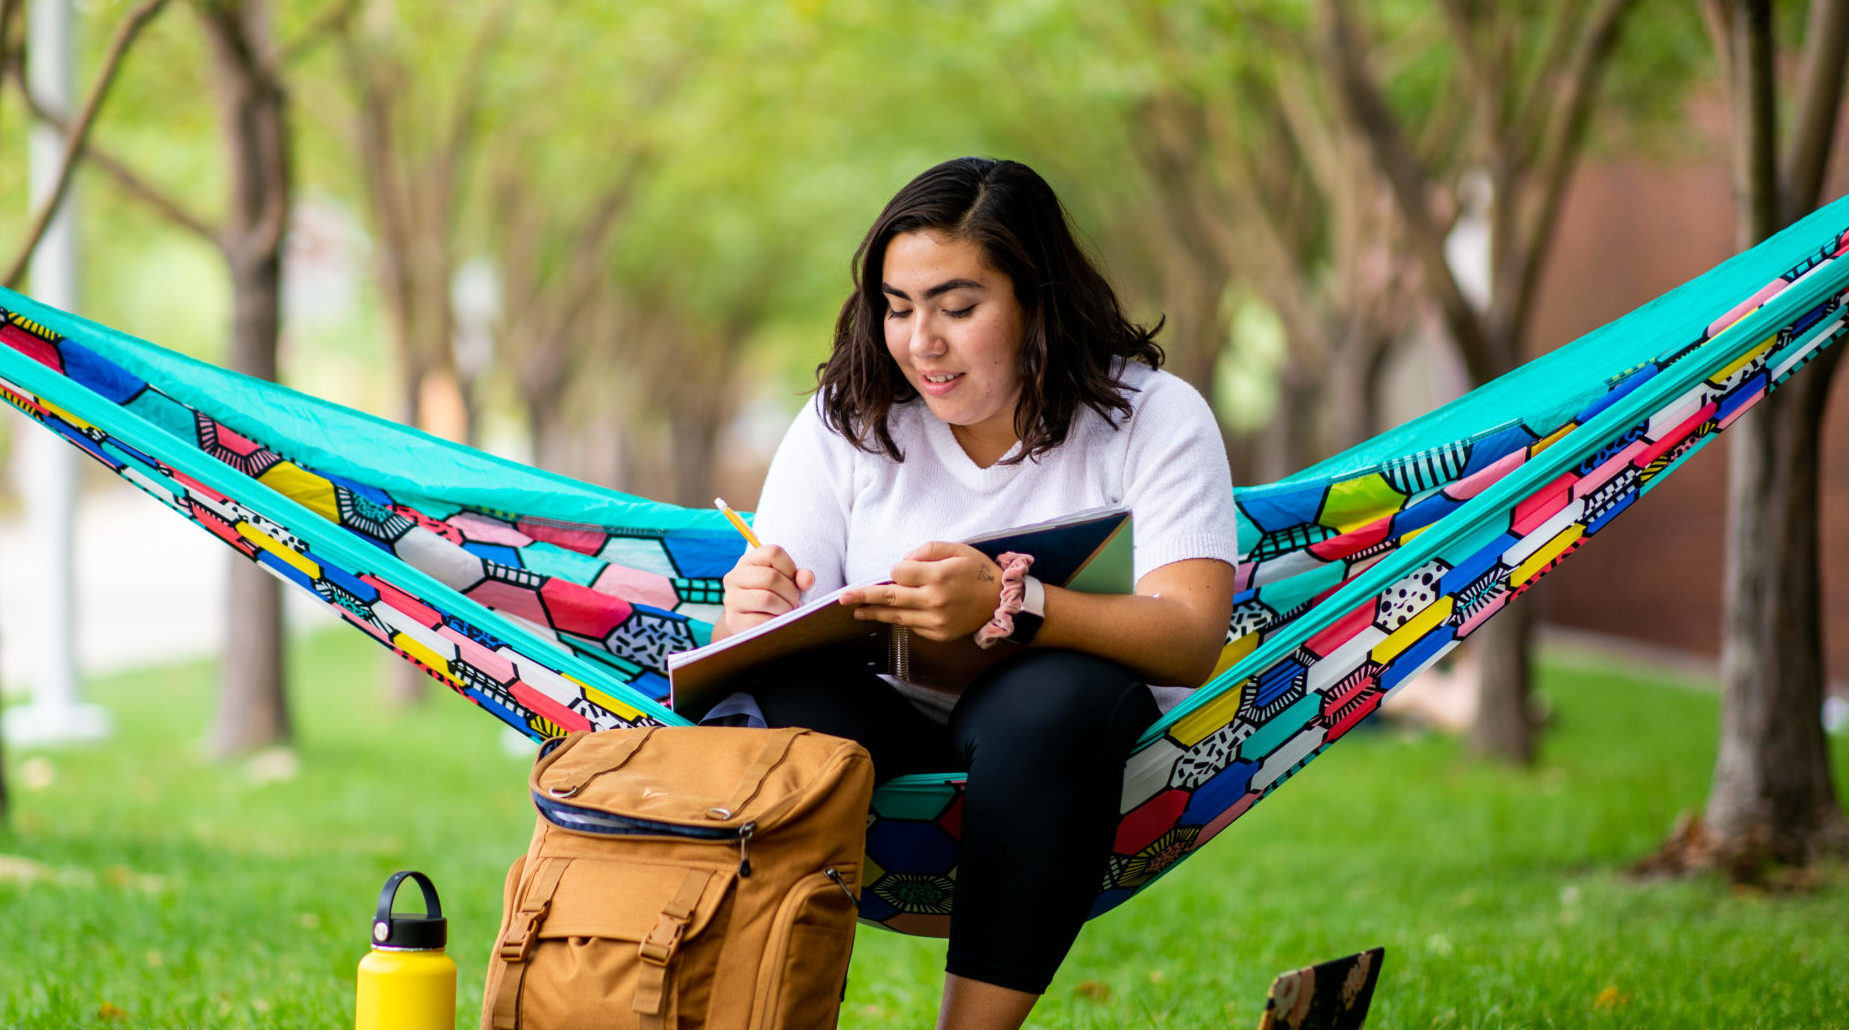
(318, 541)
(912, 841)
(399, 459)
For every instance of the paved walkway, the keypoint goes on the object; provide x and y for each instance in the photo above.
(150, 588)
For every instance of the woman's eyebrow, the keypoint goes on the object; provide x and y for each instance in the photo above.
(939, 289)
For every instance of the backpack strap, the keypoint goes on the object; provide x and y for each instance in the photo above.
(583, 762)
(775, 748)
(657, 949)
(522, 934)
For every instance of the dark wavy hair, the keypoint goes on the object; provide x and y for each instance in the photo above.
(1075, 327)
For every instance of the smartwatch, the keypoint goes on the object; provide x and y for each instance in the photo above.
(1033, 611)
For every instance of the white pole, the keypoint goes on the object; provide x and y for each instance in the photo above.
(56, 712)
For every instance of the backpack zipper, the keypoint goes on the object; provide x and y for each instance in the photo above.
(589, 820)
(835, 876)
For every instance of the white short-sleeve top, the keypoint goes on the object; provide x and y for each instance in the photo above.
(849, 515)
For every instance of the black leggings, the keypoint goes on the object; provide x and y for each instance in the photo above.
(1043, 736)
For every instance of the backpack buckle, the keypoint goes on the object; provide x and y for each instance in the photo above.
(520, 948)
(658, 947)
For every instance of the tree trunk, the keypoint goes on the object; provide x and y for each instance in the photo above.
(694, 447)
(405, 684)
(1773, 797)
(1352, 386)
(1505, 725)
(554, 448)
(1303, 416)
(638, 464)
(1527, 156)
(1193, 350)
(253, 711)
(1506, 722)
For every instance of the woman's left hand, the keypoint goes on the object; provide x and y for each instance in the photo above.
(941, 591)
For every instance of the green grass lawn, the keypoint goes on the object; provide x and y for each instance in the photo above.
(143, 886)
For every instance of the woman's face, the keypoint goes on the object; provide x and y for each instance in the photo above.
(955, 328)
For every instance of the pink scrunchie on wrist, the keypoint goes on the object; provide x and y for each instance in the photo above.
(1014, 590)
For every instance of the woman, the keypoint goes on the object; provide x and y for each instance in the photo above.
(984, 376)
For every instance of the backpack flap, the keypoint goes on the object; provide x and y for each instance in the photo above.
(705, 776)
(623, 925)
(626, 900)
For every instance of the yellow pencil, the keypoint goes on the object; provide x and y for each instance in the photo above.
(726, 509)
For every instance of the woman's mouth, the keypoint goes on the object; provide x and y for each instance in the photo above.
(937, 383)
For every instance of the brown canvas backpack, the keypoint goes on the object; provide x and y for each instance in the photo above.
(684, 877)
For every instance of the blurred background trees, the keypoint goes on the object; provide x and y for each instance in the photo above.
(610, 237)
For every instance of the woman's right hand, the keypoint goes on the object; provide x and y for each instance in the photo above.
(763, 585)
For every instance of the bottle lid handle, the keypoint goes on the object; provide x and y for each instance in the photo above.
(427, 932)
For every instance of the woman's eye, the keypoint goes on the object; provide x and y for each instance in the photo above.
(896, 313)
(961, 312)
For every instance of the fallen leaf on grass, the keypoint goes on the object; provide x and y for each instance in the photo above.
(15, 869)
(1610, 998)
(1093, 990)
(123, 876)
(275, 765)
(108, 1011)
(36, 773)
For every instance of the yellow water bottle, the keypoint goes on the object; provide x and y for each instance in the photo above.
(406, 982)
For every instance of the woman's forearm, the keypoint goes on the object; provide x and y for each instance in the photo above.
(1169, 634)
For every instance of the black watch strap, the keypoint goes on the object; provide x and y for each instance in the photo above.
(1025, 626)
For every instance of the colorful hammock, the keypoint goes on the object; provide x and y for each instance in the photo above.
(553, 604)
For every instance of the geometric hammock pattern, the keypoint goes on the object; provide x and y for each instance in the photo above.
(553, 605)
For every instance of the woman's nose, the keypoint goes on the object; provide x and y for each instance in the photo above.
(926, 340)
